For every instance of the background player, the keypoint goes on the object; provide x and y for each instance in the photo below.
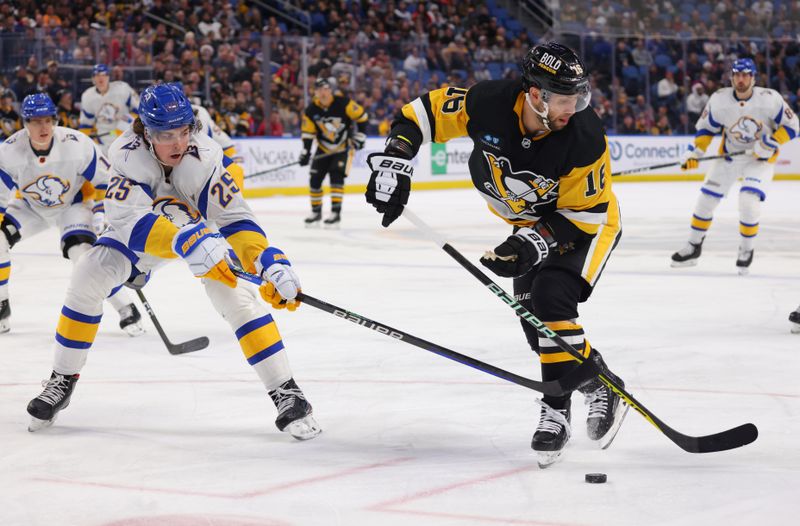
(750, 119)
(52, 169)
(329, 119)
(167, 181)
(107, 107)
(541, 162)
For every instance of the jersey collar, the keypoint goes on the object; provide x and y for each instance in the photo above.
(518, 105)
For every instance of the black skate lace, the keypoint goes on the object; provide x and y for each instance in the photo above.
(597, 402)
(553, 420)
(54, 389)
(284, 398)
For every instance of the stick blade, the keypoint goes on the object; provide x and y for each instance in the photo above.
(731, 439)
(189, 346)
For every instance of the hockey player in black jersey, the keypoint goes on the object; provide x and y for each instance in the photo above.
(541, 162)
(330, 118)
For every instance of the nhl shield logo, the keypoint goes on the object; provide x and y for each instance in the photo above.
(526, 143)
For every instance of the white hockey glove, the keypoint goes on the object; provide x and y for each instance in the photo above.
(689, 159)
(520, 253)
(282, 284)
(359, 140)
(389, 185)
(205, 252)
(98, 219)
(765, 148)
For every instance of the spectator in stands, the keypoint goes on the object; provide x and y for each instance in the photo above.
(628, 126)
(667, 89)
(695, 103)
(641, 55)
(10, 122)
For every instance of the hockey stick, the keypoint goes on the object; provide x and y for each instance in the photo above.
(553, 388)
(173, 348)
(265, 172)
(678, 163)
(732, 438)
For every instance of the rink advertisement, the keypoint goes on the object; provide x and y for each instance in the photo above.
(271, 163)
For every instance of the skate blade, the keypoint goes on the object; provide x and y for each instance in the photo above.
(545, 459)
(334, 226)
(795, 328)
(134, 329)
(4, 327)
(304, 428)
(315, 224)
(743, 271)
(37, 424)
(682, 264)
(608, 438)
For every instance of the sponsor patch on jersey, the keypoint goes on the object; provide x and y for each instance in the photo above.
(520, 191)
(491, 141)
(47, 190)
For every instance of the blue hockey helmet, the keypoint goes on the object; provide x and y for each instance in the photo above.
(744, 65)
(165, 107)
(100, 69)
(37, 105)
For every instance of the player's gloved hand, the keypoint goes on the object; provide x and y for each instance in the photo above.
(282, 284)
(98, 218)
(765, 147)
(389, 184)
(305, 156)
(204, 251)
(689, 159)
(359, 140)
(520, 253)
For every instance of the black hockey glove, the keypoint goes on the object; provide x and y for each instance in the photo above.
(358, 140)
(520, 253)
(389, 184)
(305, 156)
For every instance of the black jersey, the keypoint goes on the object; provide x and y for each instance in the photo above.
(562, 177)
(331, 125)
(10, 122)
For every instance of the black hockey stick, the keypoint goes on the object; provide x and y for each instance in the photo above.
(553, 388)
(730, 439)
(173, 348)
(678, 163)
(265, 172)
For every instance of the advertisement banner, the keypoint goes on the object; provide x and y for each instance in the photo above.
(447, 165)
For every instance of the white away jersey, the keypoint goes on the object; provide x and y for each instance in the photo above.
(743, 122)
(139, 193)
(49, 184)
(110, 111)
(210, 128)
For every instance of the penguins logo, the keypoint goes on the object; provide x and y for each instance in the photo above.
(47, 190)
(176, 211)
(746, 129)
(520, 191)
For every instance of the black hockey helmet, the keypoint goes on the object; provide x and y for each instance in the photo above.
(556, 69)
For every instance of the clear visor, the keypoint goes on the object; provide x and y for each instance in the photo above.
(558, 103)
(169, 136)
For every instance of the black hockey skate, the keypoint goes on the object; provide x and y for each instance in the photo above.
(313, 220)
(55, 397)
(551, 435)
(130, 320)
(743, 260)
(333, 220)
(5, 316)
(795, 319)
(606, 411)
(687, 256)
(294, 411)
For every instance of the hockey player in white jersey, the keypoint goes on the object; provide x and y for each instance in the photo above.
(752, 120)
(47, 175)
(167, 181)
(210, 128)
(107, 107)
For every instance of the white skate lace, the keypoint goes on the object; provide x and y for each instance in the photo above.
(597, 402)
(285, 398)
(54, 389)
(552, 420)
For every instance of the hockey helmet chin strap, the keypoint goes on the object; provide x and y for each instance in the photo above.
(542, 114)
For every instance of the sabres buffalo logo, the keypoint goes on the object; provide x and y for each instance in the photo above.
(179, 213)
(519, 191)
(746, 129)
(47, 190)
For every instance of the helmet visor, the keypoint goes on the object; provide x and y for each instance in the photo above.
(560, 103)
(169, 136)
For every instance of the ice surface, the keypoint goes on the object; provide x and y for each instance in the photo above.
(410, 437)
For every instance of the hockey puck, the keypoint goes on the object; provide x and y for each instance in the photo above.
(595, 478)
